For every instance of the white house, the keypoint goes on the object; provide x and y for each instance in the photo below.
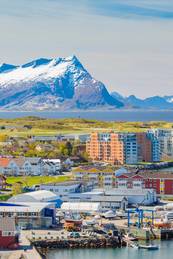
(37, 165)
(62, 189)
(52, 166)
(21, 166)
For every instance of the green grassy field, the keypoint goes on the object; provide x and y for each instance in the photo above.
(34, 180)
(5, 197)
(40, 126)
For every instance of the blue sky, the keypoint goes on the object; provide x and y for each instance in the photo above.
(127, 44)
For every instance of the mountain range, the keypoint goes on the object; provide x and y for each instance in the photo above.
(154, 102)
(63, 84)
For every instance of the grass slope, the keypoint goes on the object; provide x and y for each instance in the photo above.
(34, 180)
(40, 126)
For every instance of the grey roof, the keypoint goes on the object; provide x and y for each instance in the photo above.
(129, 192)
(34, 160)
(25, 207)
(36, 196)
(67, 183)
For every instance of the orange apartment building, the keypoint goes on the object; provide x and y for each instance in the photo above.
(119, 148)
(106, 147)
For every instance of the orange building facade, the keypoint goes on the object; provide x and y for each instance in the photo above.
(119, 148)
(108, 148)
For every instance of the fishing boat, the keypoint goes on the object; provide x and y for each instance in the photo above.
(148, 247)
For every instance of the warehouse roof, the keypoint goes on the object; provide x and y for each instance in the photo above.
(66, 183)
(23, 207)
(81, 206)
(36, 196)
(128, 192)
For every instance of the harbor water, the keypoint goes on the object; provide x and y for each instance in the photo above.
(165, 252)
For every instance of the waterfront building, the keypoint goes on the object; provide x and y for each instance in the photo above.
(30, 215)
(107, 202)
(81, 207)
(63, 189)
(36, 196)
(135, 196)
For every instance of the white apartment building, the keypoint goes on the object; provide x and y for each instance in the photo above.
(165, 140)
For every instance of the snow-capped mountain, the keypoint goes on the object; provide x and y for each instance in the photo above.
(61, 83)
(154, 102)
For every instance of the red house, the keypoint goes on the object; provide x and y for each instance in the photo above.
(8, 233)
(162, 182)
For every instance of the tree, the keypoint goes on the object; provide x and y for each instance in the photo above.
(69, 147)
(3, 138)
(16, 188)
(84, 155)
(74, 151)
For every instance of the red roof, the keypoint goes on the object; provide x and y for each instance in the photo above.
(148, 175)
(4, 161)
(136, 176)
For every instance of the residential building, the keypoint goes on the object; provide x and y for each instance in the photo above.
(37, 165)
(161, 182)
(67, 137)
(21, 166)
(155, 147)
(44, 138)
(14, 166)
(103, 177)
(52, 166)
(165, 139)
(120, 148)
(130, 148)
(106, 147)
(144, 145)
